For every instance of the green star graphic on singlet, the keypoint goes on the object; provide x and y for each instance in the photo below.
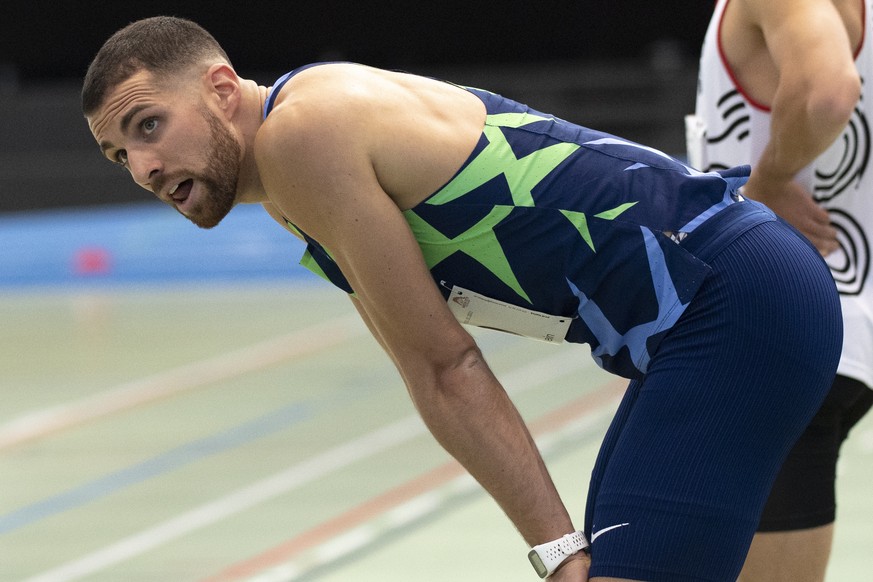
(580, 220)
(522, 175)
(479, 242)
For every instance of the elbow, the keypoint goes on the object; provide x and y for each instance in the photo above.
(832, 103)
(447, 381)
(453, 377)
(464, 368)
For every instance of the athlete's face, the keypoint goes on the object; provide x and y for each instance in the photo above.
(172, 145)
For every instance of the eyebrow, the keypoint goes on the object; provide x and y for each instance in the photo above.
(125, 123)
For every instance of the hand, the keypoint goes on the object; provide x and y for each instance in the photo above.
(574, 569)
(793, 203)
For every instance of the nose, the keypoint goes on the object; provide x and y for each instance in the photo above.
(144, 167)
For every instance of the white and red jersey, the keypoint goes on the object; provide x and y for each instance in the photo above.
(729, 128)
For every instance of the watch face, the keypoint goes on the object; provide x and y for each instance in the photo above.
(537, 563)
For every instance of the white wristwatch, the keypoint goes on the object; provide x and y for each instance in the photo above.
(545, 558)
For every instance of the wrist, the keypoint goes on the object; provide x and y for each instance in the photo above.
(763, 188)
(548, 557)
(570, 563)
(769, 177)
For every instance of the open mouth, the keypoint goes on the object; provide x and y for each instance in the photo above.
(179, 193)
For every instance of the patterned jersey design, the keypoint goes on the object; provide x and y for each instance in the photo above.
(737, 129)
(561, 219)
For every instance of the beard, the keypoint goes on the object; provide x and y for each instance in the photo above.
(220, 177)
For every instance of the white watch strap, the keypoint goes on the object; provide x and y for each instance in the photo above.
(545, 558)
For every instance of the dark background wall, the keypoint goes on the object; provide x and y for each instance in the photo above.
(623, 66)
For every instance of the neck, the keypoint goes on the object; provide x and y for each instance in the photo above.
(249, 188)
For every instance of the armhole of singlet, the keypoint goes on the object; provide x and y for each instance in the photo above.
(733, 77)
(727, 67)
(280, 82)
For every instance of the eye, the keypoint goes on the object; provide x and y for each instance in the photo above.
(120, 158)
(149, 125)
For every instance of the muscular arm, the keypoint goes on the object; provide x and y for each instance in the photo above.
(803, 47)
(318, 162)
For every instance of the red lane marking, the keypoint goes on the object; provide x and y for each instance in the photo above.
(343, 522)
(398, 495)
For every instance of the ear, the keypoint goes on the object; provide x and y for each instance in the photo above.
(222, 85)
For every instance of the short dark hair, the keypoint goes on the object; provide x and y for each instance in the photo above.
(160, 45)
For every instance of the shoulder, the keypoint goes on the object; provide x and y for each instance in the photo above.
(330, 88)
(321, 105)
(337, 123)
(316, 112)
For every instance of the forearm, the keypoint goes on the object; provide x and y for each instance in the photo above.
(817, 83)
(471, 416)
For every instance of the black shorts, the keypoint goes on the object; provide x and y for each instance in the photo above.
(803, 495)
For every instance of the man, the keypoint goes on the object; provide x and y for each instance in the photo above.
(779, 88)
(431, 203)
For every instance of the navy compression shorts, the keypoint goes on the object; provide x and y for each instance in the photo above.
(685, 468)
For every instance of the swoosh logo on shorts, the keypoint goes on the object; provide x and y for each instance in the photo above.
(596, 534)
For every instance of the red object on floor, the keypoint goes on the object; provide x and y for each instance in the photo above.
(92, 261)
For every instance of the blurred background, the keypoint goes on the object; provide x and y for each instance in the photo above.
(67, 216)
(628, 67)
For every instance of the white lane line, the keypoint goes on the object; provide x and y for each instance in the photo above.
(395, 434)
(300, 343)
(296, 476)
(366, 535)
